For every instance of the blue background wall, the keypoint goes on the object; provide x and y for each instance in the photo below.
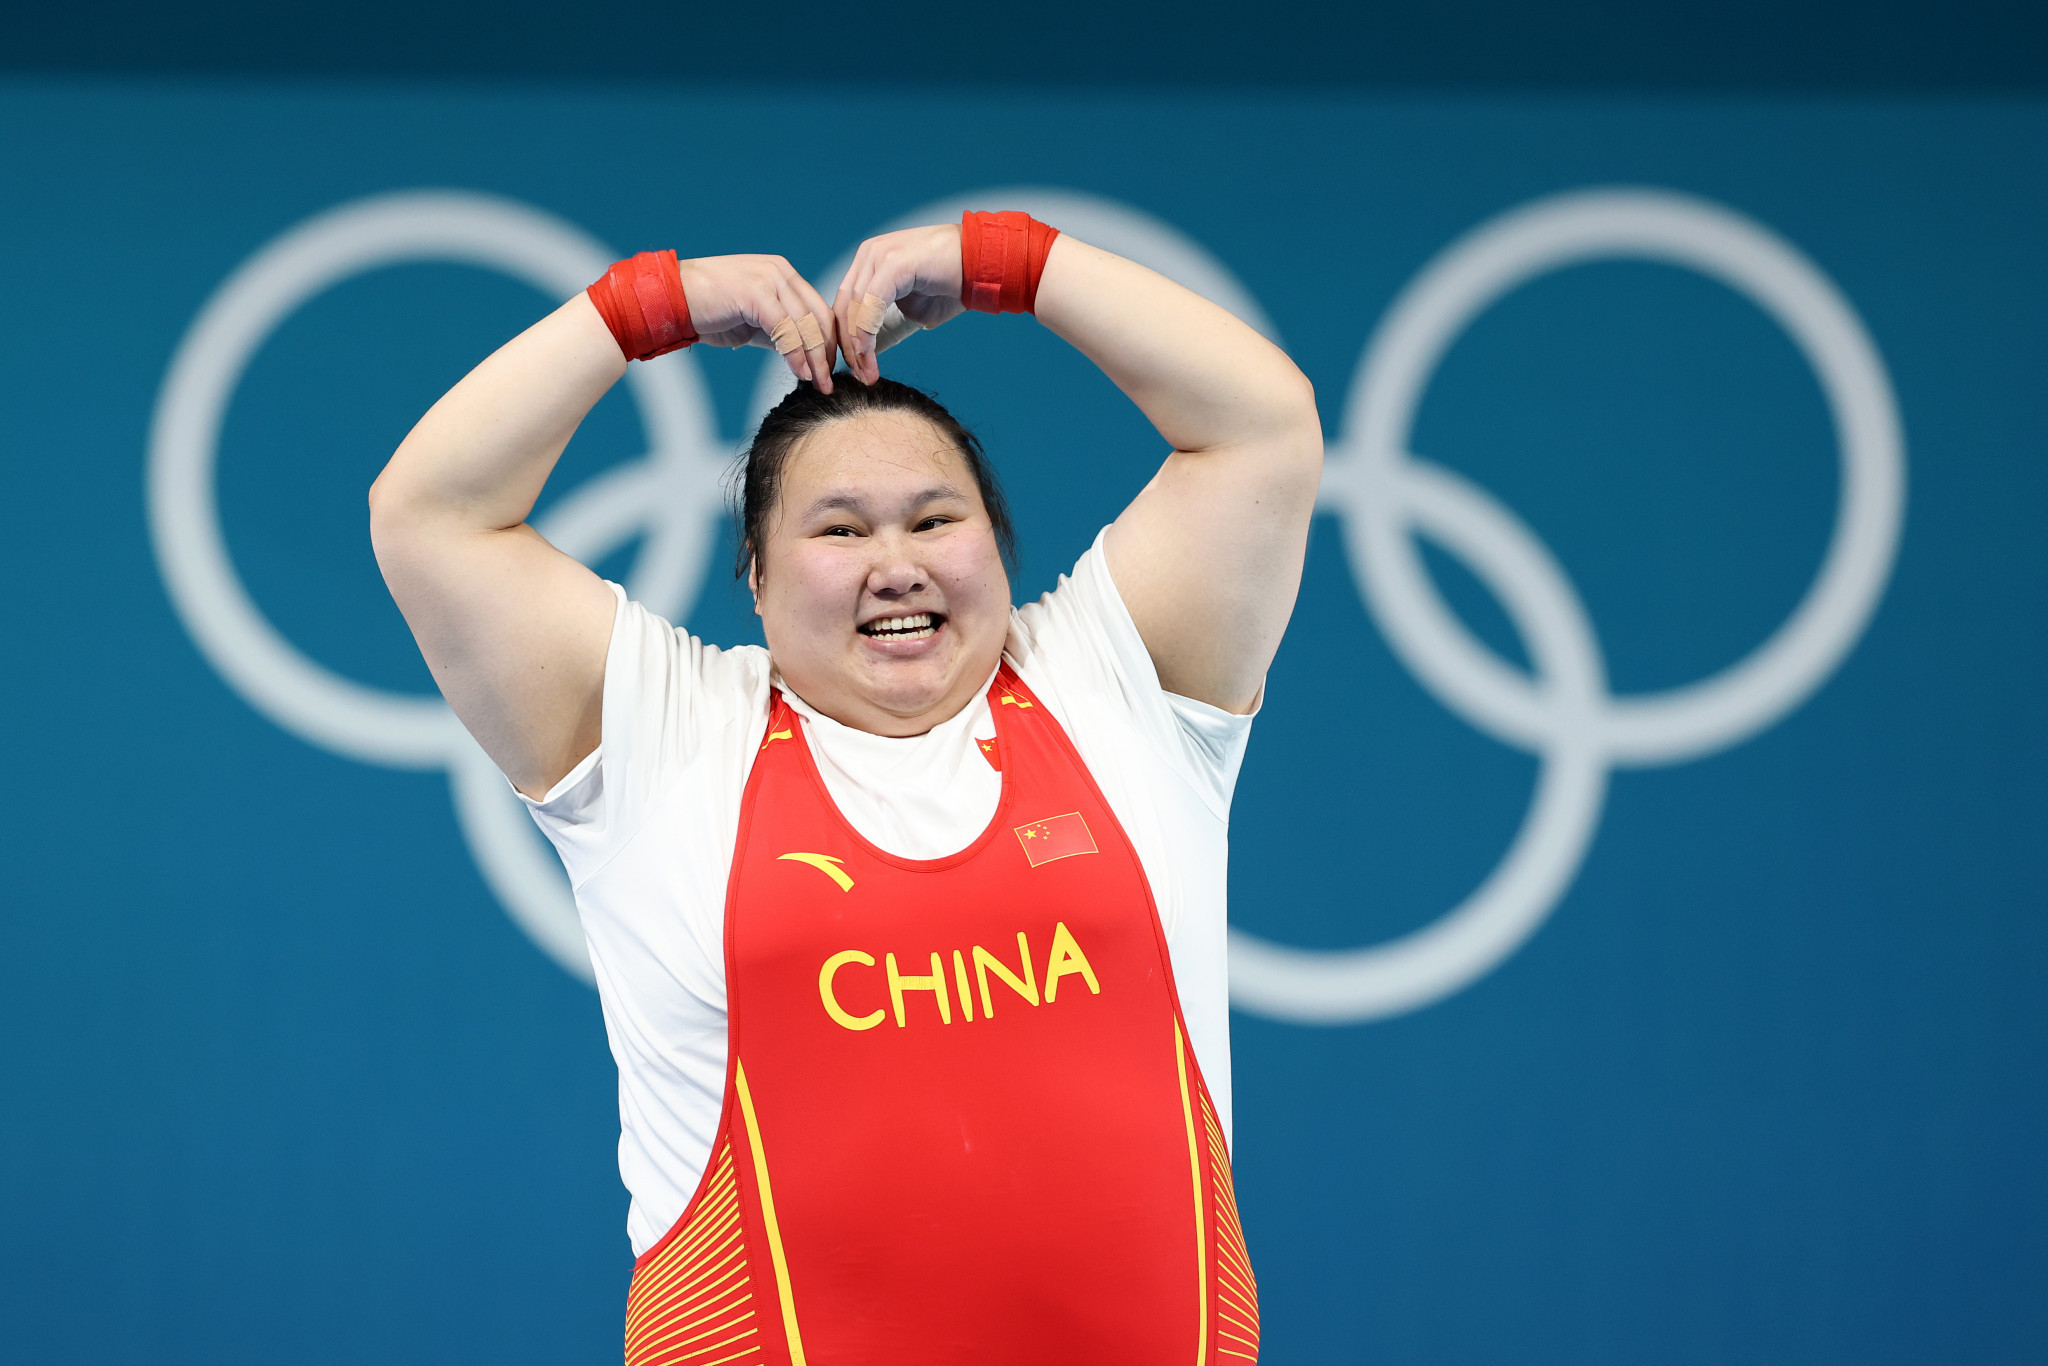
(282, 1081)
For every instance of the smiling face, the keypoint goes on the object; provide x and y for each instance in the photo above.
(880, 585)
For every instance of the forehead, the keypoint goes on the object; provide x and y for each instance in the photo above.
(879, 453)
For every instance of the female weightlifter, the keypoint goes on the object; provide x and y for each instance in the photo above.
(908, 929)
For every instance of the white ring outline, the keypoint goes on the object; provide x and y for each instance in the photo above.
(1472, 274)
(1564, 713)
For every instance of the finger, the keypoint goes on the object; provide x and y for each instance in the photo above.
(818, 328)
(784, 336)
(876, 281)
(842, 327)
(843, 300)
(857, 349)
(874, 310)
(787, 341)
(794, 334)
(812, 334)
(878, 321)
(895, 327)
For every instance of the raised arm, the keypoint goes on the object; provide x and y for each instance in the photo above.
(514, 630)
(1208, 557)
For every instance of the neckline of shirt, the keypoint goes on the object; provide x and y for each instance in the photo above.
(973, 721)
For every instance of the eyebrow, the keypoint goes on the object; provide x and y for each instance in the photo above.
(854, 502)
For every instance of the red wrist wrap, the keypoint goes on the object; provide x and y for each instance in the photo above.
(1001, 257)
(642, 302)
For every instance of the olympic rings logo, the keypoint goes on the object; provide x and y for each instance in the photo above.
(1562, 711)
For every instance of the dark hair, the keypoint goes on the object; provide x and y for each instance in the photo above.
(757, 479)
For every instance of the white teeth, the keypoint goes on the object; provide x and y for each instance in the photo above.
(914, 627)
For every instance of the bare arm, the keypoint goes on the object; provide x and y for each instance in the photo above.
(1208, 557)
(514, 630)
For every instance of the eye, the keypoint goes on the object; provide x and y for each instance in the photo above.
(840, 531)
(928, 523)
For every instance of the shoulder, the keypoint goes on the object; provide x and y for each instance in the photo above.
(675, 709)
(1078, 648)
(647, 653)
(1080, 626)
(667, 692)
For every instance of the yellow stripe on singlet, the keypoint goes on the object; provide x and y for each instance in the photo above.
(796, 1342)
(1187, 1112)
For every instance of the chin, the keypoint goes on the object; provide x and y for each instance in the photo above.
(912, 700)
(914, 692)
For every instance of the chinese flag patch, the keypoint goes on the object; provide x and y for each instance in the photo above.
(992, 753)
(1055, 838)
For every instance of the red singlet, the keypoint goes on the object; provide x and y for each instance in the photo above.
(962, 1121)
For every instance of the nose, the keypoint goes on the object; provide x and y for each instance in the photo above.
(895, 571)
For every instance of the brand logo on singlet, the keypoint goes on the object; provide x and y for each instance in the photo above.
(1064, 959)
(824, 863)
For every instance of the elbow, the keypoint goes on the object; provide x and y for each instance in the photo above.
(1299, 418)
(391, 512)
(380, 501)
(1285, 402)
(1299, 399)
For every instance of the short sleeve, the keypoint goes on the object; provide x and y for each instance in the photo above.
(665, 694)
(1081, 635)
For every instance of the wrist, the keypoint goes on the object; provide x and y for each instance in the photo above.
(643, 302)
(1002, 256)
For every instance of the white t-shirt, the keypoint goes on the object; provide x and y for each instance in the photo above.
(646, 826)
